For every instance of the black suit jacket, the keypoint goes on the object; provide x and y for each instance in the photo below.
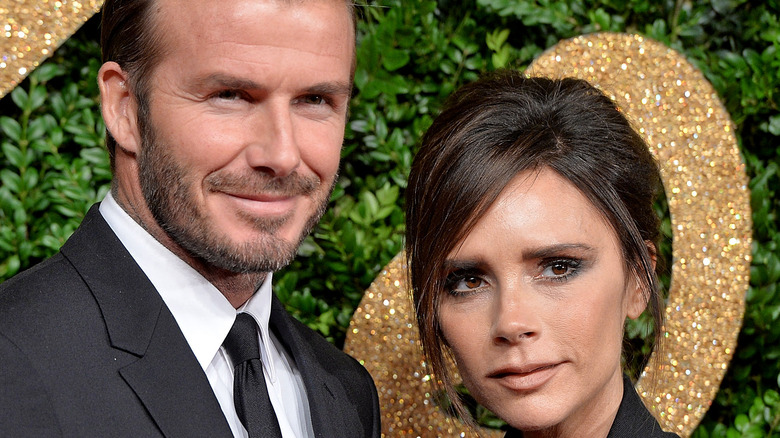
(88, 348)
(633, 420)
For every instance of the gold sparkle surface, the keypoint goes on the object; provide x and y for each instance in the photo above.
(31, 30)
(690, 133)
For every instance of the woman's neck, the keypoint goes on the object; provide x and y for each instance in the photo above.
(593, 421)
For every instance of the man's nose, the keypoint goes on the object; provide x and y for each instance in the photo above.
(273, 147)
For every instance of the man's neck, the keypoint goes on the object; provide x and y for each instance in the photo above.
(236, 287)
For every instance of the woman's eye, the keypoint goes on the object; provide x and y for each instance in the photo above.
(471, 282)
(464, 283)
(560, 269)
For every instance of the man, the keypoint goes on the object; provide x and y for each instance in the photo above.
(225, 125)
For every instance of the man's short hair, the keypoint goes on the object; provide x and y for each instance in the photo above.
(129, 37)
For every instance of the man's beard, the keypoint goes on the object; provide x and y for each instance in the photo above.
(167, 187)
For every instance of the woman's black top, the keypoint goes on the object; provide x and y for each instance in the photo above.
(633, 420)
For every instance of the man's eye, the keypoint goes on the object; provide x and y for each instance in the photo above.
(228, 95)
(314, 99)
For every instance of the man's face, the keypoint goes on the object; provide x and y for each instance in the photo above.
(246, 120)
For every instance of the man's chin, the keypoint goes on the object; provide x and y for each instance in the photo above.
(259, 261)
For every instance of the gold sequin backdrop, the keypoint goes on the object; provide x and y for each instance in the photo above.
(32, 30)
(688, 130)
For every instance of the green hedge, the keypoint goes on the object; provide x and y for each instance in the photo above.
(411, 55)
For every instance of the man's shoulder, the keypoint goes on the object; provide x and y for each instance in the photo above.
(43, 298)
(39, 281)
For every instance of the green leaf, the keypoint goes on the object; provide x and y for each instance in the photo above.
(602, 19)
(37, 97)
(394, 59)
(20, 217)
(47, 72)
(20, 98)
(741, 422)
(95, 155)
(496, 39)
(14, 155)
(372, 205)
(387, 195)
(30, 180)
(11, 128)
(58, 106)
(774, 124)
(11, 180)
(11, 265)
(37, 128)
(771, 397)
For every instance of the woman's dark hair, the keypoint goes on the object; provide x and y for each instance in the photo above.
(492, 130)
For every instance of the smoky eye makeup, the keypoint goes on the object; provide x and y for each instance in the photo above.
(464, 280)
(560, 268)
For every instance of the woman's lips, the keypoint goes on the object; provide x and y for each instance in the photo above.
(526, 377)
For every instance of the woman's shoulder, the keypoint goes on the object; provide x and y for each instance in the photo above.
(633, 419)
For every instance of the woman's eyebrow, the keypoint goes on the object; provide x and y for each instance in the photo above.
(549, 251)
(541, 252)
(461, 265)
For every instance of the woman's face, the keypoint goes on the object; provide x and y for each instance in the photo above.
(536, 299)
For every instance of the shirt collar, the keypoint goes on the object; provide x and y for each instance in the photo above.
(203, 314)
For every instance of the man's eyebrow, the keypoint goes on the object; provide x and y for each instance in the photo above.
(228, 81)
(330, 89)
(232, 82)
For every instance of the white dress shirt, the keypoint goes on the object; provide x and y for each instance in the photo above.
(205, 317)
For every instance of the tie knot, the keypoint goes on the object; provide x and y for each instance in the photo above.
(241, 342)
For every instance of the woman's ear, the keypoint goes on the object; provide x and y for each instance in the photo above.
(652, 251)
(118, 106)
(638, 297)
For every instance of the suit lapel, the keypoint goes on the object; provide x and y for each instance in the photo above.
(172, 385)
(325, 393)
(166, 378)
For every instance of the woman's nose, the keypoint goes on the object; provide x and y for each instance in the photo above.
(516, 316)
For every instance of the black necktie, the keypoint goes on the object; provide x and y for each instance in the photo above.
(250, 394)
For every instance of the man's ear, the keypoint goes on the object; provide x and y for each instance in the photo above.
(637, 297)
(119, 108)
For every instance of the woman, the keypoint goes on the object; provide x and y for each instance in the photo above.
(531, 238)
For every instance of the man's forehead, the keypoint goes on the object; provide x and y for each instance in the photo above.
(222, 9)
(203, 18)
